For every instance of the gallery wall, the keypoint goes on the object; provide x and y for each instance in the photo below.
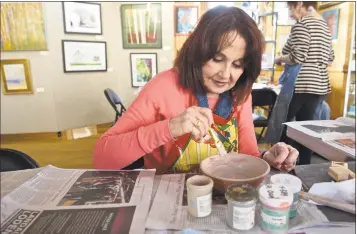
(64, 101)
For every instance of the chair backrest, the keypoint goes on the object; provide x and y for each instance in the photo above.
(13, 160)
(263, 97)
(114, 100)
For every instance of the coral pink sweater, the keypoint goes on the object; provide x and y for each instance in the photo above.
(144, 127)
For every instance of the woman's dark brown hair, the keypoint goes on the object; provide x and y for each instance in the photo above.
(305, 4)
(210, 36)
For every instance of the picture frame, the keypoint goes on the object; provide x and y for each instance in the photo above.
(16, 76)
(284, 18)
(323, 5)
(82, 18)
(84, 56)
(186, 18)
(141, 26)
(17, 32)
(143, 68)
(332, 19)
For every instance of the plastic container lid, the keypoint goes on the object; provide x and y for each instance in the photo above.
(242, 193)
(276, 195)
(290, 181)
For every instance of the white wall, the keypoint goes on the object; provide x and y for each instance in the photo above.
(72, 100)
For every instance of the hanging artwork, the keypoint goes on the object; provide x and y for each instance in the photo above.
(331, 17)
(322, 5)
(186, 18)
(143, 68)
(82, 18)
(16, 76)
(141, 26)
(22, 26)
(284, 18)
(84, 56)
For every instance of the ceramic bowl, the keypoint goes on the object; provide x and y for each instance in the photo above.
(234, 168)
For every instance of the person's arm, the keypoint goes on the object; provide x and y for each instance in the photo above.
(332, 56)
(300, 43)
(246, 135)
(136, 133)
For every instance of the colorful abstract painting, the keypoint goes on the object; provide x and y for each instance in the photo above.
(141, 25)
(331, 17)
(22, 27)
(143, 68)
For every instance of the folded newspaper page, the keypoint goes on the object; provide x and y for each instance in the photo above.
(13, 179)
(169, 210)
(52, 191)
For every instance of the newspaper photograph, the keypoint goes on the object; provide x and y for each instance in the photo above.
(54, 187)
(169, 210)
(101, 187)
(346, 144)
(96, 220)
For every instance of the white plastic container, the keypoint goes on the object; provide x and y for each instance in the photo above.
(294, 184)
(276, 200)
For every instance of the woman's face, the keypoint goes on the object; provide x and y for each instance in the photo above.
(224, 69)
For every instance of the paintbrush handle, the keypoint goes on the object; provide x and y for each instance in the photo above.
(329, 202)
(220, 147)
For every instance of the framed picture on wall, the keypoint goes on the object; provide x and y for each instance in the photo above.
(322, 5)
(82, 18)
(332, 17)
(18, 33)
(84, 56)
(186, 18)
(143, 68)
(16, 76)
(141, 26)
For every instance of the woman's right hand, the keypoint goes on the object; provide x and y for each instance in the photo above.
(195, 120)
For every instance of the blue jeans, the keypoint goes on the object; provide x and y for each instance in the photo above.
(281, 107)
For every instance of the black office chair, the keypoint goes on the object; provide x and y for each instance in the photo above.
(114, 101)
(263, 98)
(14, 160)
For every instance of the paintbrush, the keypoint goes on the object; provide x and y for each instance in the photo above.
(219, 145)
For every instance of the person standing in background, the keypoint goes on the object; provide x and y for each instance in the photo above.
(309, 45)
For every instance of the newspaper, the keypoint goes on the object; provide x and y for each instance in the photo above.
(72, 201)
(13, 179)
(339, 134)
(169, 210)
(326, 129)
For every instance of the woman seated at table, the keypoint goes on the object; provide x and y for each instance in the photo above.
(210, 85)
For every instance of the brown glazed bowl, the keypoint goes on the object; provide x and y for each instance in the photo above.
(234, 168)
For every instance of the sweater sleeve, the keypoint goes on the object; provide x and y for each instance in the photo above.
(300, 43)
(247, 140)
(138, 132)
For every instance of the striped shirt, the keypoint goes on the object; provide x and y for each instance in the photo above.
(310, 44)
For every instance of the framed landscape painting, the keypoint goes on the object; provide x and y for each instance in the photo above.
(143, 68)
(84, 56)
(18, 32)
(16, 76)
(82, 17)
(141, 26)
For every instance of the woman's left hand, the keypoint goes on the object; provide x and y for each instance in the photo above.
(282, 156)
